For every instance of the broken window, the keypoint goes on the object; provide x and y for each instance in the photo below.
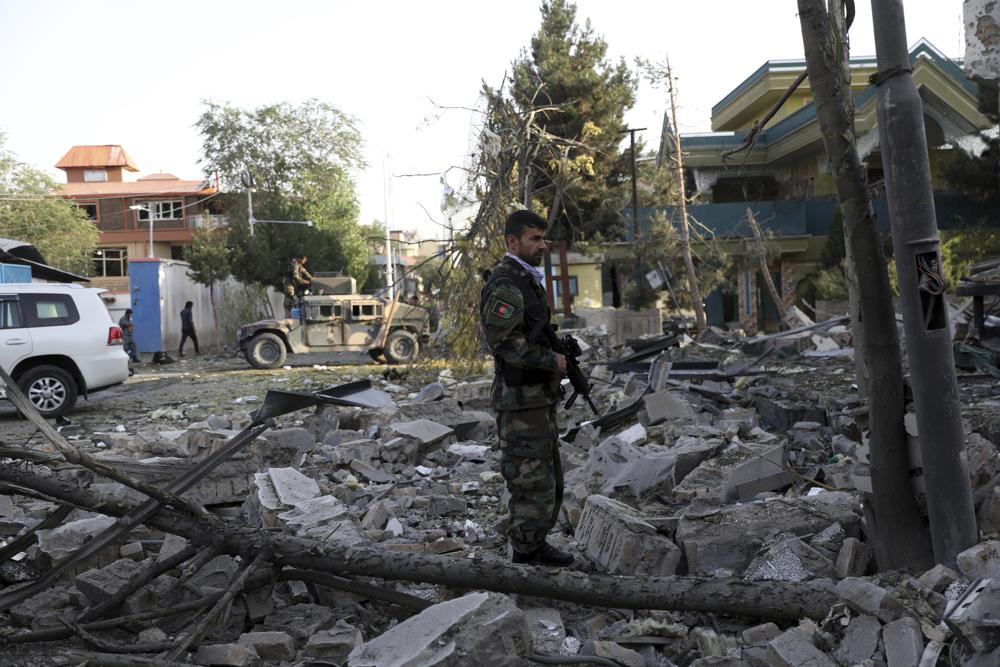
(111, 262)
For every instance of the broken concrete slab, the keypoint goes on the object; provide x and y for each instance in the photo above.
(424, 430)
(904, 642)
(668, 405)
(486, 628)
(313, 512)
(371, 474)
(61, 541)
(860, 640)
(867, 598)
(614, 652)
(939, 577)
(292, 487)
(796, 648)
(616, 539)
(854, 559)
(766, 471)
(301, 621)
(789, 560)
(718, 538)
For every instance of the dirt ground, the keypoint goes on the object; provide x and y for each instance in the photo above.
(198, 386)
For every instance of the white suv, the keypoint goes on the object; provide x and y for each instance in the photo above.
(57, 342)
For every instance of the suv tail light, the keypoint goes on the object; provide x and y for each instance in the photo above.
(115, 336)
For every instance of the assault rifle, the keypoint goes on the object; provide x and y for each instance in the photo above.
(569, 348)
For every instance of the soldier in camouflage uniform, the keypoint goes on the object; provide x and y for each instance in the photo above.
(513, 311)
(296, 280)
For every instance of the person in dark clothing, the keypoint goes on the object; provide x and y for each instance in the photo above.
(187, 328)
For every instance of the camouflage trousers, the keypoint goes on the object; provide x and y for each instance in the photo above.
(530, 463)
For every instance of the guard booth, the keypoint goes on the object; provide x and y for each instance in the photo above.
(159, 288)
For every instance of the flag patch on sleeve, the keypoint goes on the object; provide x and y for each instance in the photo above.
(502, 309)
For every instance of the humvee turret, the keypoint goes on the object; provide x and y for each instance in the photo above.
(332, 317)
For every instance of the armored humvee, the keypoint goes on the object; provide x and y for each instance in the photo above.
(334, 318)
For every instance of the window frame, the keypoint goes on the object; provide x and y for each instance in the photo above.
(574, 286)
(104, 261)
(15, 306)
(29, 313)
(156, 207)
(90, 174)
(85, 206)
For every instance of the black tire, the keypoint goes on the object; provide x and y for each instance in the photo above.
(266, 350)
(50, 389)
(401, 347)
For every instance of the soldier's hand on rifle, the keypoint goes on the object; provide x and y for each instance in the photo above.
(560, 363)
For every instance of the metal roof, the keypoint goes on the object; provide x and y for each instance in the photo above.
(108, 155)
(155, 186)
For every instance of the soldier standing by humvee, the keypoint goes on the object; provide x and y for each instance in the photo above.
(296, 280)
(513, 312)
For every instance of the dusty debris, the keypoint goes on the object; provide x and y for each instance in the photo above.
(724, 490)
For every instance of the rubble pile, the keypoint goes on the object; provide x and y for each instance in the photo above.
(715, 510)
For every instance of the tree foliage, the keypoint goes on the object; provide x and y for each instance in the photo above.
(977, 176)
(30, 212)
(580, 96)
(301, 159)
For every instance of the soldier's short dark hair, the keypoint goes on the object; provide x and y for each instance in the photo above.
(518, 221)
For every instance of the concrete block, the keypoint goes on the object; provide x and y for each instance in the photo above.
(335, 644)
(132, 551)
(270, 645)
(764, 472)
(760, 634)
(233, 655)
(904, 642)
(470, 451)
(441, 505)
(667, 404)
(376, 516)
(867, 598)
(860, 640)
(939, 577)
(854, 558)
(795, 648)
(101, 584)
(617, 540)
(634, 435)
(484, 628)
(980, 561)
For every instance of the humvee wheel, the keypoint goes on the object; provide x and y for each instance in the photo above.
(266, 350)
(401, 347)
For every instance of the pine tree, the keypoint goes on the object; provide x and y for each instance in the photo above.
(566, 68)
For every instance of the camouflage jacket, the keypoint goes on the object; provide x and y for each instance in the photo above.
(510, 328)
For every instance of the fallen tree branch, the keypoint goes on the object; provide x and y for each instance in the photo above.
(111, 647)
(772, 599)
(22, 542)
(356, 587)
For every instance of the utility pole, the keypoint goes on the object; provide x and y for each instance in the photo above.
(692, 275)
(635, 204)
(389, 272)
(922, 288)
(248, 183)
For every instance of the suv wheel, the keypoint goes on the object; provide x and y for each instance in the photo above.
(401, 347)
(266, 350)
(50, 389)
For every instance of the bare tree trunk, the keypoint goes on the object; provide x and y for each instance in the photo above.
(767, 599)
(764, 268)
(692, 275)
(903, 538)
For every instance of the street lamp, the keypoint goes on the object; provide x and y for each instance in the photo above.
(149, 211)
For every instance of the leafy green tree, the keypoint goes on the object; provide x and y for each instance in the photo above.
(582, 97)
(30, 212)
(978, 177)
(300, 159)
(209, 260)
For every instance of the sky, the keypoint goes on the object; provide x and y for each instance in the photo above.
(135, 73)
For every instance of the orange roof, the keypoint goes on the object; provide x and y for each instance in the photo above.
(154, 186)
(109, 155)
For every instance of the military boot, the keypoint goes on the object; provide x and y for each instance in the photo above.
(545, 555)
